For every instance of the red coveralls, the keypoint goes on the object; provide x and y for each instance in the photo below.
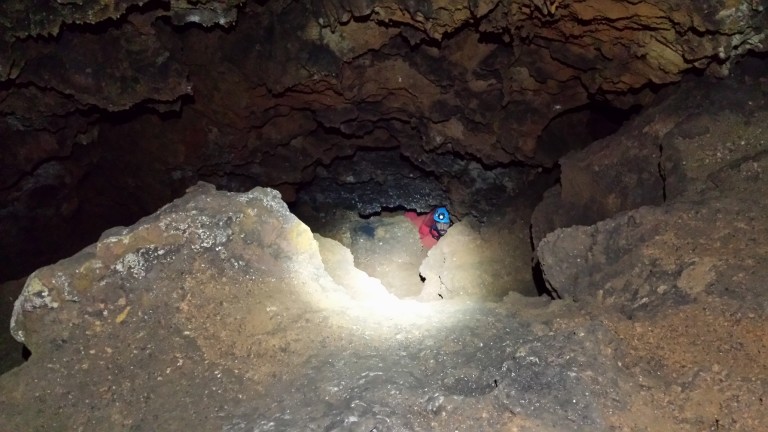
(424, 223)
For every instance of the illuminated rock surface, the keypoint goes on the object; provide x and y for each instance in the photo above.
(218, 313)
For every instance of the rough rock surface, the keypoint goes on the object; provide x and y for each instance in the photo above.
(373, 181)
(228, 300)
(370, 182)
(687, 283)
(686, 279)
(689, 142)
(480, 261)
(291, 85)
(66, 69)
(221, 312)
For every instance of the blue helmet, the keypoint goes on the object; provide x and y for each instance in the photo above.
(441, 215)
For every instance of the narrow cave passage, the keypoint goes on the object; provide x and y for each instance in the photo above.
(351, 199)
(363, 200)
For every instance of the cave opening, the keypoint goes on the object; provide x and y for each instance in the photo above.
(363, 201)
(373, 202)
(574, 129)
(349, 199)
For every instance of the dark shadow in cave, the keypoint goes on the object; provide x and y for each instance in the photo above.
(370, 181)
(39, 230)
(753, 65)
(542, 288)
(387, 210)
(104, 26)
(576, 128)
(25, 353)
(573, 130)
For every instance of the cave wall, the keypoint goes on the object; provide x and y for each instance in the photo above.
(111, 108)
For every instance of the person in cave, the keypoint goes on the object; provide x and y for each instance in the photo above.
(440, 221)
(432, 226)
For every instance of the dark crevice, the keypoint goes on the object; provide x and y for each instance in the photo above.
(576, 128)
(493, 38)
(25, 353)
(387, 210)
(537, 274)
(541, 284)
(662, 173)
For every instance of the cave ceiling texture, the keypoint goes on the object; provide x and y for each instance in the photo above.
(112, 108)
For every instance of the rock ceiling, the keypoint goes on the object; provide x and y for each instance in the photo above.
(297, 82)
(262, 92)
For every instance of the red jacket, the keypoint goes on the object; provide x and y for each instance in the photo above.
(425, 223)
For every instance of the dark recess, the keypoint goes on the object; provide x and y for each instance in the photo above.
(576, 128)
(25, 353)
(106, 195)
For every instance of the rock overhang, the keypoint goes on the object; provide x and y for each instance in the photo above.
(280, 92)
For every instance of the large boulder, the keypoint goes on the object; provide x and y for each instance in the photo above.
(476, 261)
(683, 287)
(162, 316)
(683, 283)
(681, 146)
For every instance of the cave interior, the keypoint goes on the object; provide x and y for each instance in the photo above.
(522, 117)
